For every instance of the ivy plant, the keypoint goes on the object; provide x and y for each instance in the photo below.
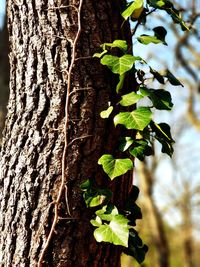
(111, 224)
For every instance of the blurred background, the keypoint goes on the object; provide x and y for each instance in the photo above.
(170, 188)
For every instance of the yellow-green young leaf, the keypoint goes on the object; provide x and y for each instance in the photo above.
(147, 39)
(115, 167)
(106, 113)
(97, 222)
(137, 119)
(135, 9)
(130, 99)
(119, 65)
(116, 232)
(99, 55)
(120, 83)
(121, 44)
(107, 212)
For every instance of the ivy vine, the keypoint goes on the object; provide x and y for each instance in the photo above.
(112, 225)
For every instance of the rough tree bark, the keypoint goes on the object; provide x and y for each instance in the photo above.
(41, 37)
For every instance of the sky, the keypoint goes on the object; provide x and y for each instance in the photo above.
(2, 11)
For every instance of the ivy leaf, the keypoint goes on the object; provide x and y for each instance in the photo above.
(99, 55)
(137, 119)
(160, 32)
(147, 39)
(115, 167)
(108, 212)
(94, 196)
(116, 232)
(141, 149)
(120, 83)
(163, 135)
(130, 99)
(136, 248)
(119, 65)
(172, 79)
(157, 76)
(106, 113)
(144, 91)
(156, 3)
(133, 211)
(125, 143)
(121, 44)
(97, 222)
(160, 98)
(135, 9)
(168, 6)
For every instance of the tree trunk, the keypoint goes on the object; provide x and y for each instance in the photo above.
(41, 37)
(187, 226)
(154, 218)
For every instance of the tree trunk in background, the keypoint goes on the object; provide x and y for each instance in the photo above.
(40, 43)
(187, 226)
(4, 77)
(154, 217)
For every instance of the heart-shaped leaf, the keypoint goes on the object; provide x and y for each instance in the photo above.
(106, 113)
(121, 44)
(119, 65)
(115, 167)
(130, 99)
(147, 39)
(137, 119)
(141, 149)
(135, 9)
(116, 232)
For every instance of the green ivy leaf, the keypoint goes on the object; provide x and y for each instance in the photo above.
(147, 39)
(163, 135)
(115, 167)
(137, 119)
(120, 83)
(160, 32)
(141, 149)
(121, 44)
(168, 6)
(136, 248)
(157, 76)
(106, 113)
(94, 196)
(108, 212)
(99, 55)
(135, 9)
(130, 99)
(116, 232)
(125, 143)
(144, 91)
(172, 79)
(160, 98)
(156, 3)
(119, 65)
(97, 222)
